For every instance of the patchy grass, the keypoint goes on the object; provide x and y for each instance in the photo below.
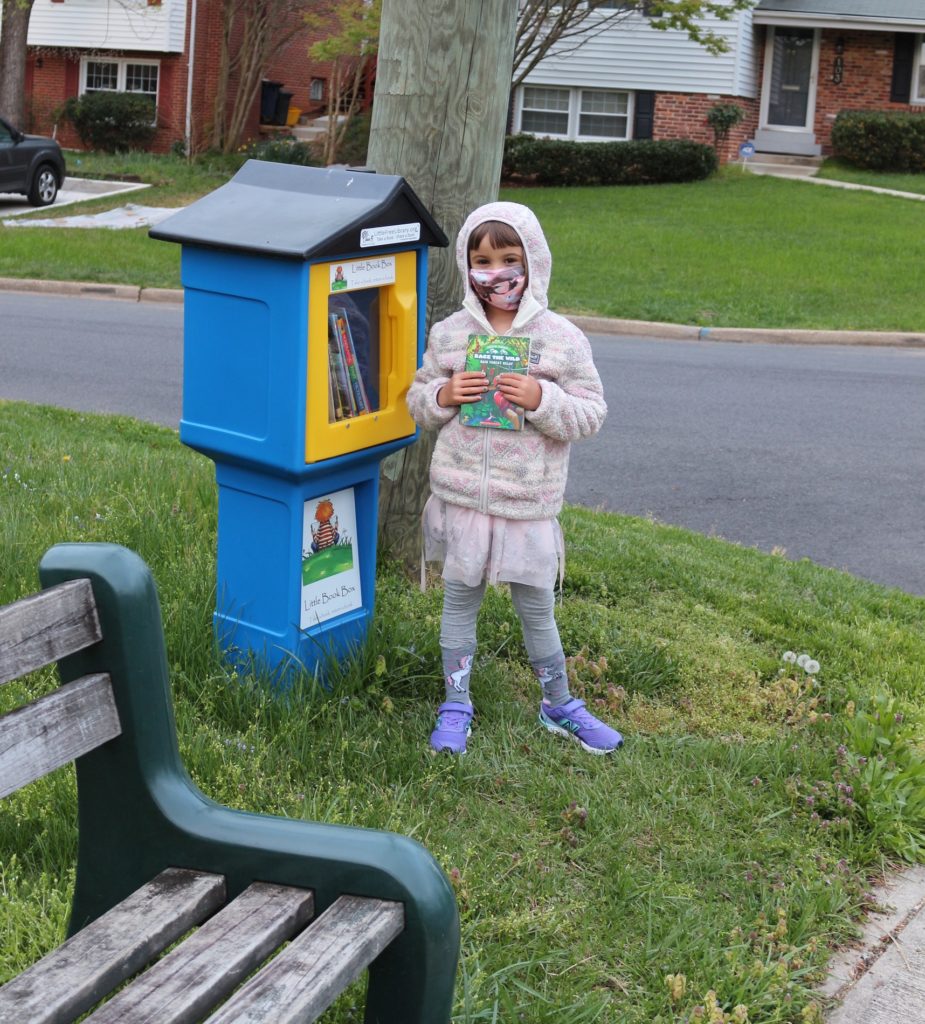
(719, 852)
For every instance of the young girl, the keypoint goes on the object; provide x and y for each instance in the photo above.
(495, 494)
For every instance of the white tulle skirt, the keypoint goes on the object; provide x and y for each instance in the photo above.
(474, 546)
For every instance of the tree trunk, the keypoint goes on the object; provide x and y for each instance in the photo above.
(439, 113)
(13, 39)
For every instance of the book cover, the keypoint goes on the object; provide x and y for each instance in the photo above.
(495, 354)
(340, 325)
(337, 371)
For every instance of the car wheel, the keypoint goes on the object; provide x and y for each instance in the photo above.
(44, 188)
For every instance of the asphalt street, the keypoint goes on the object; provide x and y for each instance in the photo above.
(814, 451)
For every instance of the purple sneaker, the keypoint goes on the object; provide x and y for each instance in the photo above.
(453, 727)
(575, 721)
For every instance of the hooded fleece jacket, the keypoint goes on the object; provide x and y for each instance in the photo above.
(514, 474)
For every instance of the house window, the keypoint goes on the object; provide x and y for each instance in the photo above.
(545, 111)
(121, 76)
(575, 113)
(603, 115)
(316, 90)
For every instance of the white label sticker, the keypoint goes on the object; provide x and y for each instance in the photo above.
(393, 234)
(371, 273)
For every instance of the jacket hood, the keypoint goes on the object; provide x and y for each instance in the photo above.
(536, 252)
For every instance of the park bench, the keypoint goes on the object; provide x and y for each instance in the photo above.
(158, 861)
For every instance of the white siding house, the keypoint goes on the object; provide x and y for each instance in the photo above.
(590, 91)
(792, 65)
(109, 25)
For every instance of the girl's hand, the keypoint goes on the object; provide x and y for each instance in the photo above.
(462, 388)
(521, 389)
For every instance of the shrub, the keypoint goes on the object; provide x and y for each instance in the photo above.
(355, 143)
(112, 121)
(644, 162)
(283, 151)
(722, 118)
(881, 140)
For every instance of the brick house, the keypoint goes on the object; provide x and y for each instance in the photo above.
(166, 49)
(792, 65)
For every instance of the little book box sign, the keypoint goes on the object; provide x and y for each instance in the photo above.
(304, 298)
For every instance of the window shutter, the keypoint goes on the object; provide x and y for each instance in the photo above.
(903, 59)
(644, 115)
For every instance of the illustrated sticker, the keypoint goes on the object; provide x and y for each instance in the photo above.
(393, 234)
(330, 562)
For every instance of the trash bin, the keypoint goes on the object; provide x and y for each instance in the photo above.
(269, 98)
(282, 107)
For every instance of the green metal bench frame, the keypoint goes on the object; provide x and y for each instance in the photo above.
(140, 813)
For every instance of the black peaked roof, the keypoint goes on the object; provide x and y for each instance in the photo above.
(301, 212)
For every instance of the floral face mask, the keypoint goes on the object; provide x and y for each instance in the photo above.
(503, 288)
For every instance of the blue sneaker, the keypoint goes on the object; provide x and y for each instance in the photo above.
(453, 727)
(575, 721)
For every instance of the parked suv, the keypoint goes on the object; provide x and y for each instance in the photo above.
(30, 164)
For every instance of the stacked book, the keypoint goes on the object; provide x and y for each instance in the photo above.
(346, 392)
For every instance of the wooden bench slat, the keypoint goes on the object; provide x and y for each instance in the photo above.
(53, 730)
(302, 982)
(44, 627)
(76, 975)
(206, 967)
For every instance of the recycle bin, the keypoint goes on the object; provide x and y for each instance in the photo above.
(282, 108)
(269, 98)
(304, 309)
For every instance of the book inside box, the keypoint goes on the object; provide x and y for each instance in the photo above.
(353, 354)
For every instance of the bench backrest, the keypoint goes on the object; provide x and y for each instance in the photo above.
(74, 719)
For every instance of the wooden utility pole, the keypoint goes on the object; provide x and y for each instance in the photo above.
(439, 116)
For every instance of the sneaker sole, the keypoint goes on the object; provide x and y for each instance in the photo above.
(557, 730)
(450, 750)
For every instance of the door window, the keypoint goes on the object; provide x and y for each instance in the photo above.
(791, 75)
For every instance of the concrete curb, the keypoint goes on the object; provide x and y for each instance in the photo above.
(129, 292)
(744, 335)
(589, 324)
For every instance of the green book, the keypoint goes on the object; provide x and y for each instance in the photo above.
(495, 354)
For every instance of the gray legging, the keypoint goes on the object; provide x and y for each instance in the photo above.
(534, 607)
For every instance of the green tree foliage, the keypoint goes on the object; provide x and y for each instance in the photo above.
(350, 42)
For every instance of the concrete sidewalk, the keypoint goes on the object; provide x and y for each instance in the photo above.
(882, 979)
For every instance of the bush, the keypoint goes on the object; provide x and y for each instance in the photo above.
(644, 162)
(355, 143)
(112, 121)
(283, 151)
(881, 140)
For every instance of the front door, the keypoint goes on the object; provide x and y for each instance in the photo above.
(789, 93)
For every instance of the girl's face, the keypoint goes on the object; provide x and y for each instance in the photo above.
(487, 258)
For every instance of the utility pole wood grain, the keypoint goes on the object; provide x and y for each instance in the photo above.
(439, 117)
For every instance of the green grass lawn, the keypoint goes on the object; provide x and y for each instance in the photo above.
(839, 170)
(736, 250)
(727, 848)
